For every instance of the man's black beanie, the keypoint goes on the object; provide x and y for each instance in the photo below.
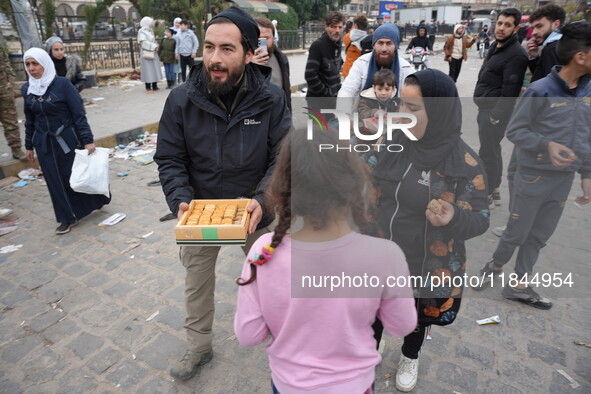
(245, 23)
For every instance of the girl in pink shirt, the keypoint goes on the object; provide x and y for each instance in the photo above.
(317, 291)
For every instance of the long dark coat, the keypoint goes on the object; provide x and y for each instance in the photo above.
(56, 125)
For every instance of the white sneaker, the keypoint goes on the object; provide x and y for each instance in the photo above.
(498, 231)
(5, 212)
(408, 371)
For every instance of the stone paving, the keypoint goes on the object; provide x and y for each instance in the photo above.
(78, 310)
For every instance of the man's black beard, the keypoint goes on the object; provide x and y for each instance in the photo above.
(504, 40)
(222, 88)
(385, 62)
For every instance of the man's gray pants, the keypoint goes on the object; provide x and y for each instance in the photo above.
(537, 205)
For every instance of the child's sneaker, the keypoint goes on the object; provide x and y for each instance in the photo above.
(408, 372)
(5, 212)
(498, 231)
(496, 196)
(491, 203)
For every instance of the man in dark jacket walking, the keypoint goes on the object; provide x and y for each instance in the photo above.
(323, 69)
(218, 138)
(272, 57)
(499, 83)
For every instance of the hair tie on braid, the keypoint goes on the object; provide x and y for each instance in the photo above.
(263, 257)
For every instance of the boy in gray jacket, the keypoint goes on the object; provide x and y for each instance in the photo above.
(550, 128)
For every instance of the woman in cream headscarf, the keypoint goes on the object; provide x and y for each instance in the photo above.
(151, 72)
(55, 125)
(176, 26)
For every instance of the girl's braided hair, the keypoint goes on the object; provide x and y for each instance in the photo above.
(313, 183)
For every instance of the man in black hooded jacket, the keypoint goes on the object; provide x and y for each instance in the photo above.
(421, 40)
(218, 138)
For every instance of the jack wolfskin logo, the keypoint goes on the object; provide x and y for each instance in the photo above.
(248, 122)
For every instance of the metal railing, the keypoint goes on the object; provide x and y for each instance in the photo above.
(298, 39)
(109, 55)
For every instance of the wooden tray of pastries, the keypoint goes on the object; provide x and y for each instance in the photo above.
(214, 222)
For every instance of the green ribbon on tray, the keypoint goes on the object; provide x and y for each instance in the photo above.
(209, 233)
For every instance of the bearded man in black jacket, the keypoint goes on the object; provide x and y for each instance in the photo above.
(499, 83)
(217, 139)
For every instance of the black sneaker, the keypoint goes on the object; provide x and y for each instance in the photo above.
(486, 275)
(527, 296)
(64, 228)
(496, 196)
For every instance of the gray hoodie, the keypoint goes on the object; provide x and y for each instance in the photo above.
(549, 111)
(357, 36)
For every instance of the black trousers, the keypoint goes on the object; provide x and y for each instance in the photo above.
(455, 65)
(411, 347)
(490, 147)
(186, 61)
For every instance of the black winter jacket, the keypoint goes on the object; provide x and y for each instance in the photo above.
(205, 153)
(500, 78)
(418, 41)
(323, 69)
(443, 248)
(542, 65)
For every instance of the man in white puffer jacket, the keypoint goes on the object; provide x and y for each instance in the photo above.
(385, 42)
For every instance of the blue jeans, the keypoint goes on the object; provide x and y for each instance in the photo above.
(169, 71)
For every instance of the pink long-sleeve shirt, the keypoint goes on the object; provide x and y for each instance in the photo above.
(320, 343)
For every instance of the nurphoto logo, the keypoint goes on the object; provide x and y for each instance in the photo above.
(374, 138)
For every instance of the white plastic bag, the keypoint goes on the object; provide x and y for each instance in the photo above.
(90, 173)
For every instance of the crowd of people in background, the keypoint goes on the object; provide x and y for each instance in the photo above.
(544, 160)
(226, 132)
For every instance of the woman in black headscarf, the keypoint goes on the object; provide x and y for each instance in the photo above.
(439, 166)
